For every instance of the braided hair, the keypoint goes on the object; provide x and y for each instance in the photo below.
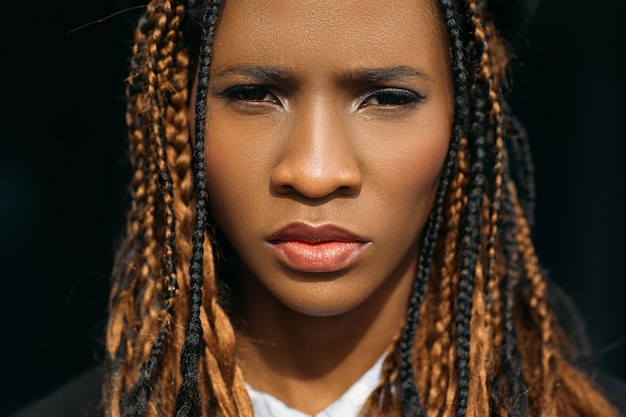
(479, 337)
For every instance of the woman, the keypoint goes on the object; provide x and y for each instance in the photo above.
(331, 216)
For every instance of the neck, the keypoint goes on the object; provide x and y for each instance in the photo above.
(287, 353)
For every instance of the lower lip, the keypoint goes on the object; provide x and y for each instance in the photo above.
(318, 257)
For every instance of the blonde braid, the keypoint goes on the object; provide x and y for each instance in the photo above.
(137, 271)
(478, 403)
(149, 273)
(487, 317)
(172, 80)
(495, 269)
(541, 377)
(556, 387)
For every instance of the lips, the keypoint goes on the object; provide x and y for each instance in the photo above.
(326, 248)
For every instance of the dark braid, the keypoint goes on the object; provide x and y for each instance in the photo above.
(136, 401)
(511, 359)
(469, 250)
(409, 396)
(188, 399)
(471, 240)
(515, 391)
(509, 388)
(525, 172)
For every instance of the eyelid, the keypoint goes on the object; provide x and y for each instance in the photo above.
(235, 92)
(409, 97)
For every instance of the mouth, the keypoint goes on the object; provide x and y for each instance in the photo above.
(307, 248)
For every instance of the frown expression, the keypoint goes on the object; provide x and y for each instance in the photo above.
(327, 126)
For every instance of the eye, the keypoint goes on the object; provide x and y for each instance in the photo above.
(251, 93)
(391, 97)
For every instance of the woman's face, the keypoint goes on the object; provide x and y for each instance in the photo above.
(328, 124)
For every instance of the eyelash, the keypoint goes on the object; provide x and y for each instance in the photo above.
(391, 97)
(385, 97)
(247, 93)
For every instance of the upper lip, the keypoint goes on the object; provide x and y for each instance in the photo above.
(314, 234)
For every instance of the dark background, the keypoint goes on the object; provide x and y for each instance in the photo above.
(63, 174)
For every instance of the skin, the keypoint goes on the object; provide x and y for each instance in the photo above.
(325, 112)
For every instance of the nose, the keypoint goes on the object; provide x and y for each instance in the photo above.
(319, 158)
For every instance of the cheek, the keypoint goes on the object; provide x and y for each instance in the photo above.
(237, 162)
(412, 192)
(407, 170)
(224, 161)
(226, 152)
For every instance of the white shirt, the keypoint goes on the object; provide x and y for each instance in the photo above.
(348, 405)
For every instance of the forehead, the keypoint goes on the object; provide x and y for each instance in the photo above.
(324, 31)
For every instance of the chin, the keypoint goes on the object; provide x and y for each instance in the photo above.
(322, 302)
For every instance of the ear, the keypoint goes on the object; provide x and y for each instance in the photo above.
(512, 16)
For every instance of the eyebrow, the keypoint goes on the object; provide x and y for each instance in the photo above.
(386, 74)
(257, 73)
(268, 74)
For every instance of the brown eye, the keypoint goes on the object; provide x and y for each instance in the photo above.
(250, 93)
(392, 97)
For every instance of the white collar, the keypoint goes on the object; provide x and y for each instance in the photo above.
(348, 405)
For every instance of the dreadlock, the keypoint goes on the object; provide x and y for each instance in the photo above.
(479, 338)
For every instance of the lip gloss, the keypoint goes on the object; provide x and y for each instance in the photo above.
(318, 257)
(326, 248)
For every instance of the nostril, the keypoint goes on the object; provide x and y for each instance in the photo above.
(313, 182)
(348, 191)
(284, 189)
